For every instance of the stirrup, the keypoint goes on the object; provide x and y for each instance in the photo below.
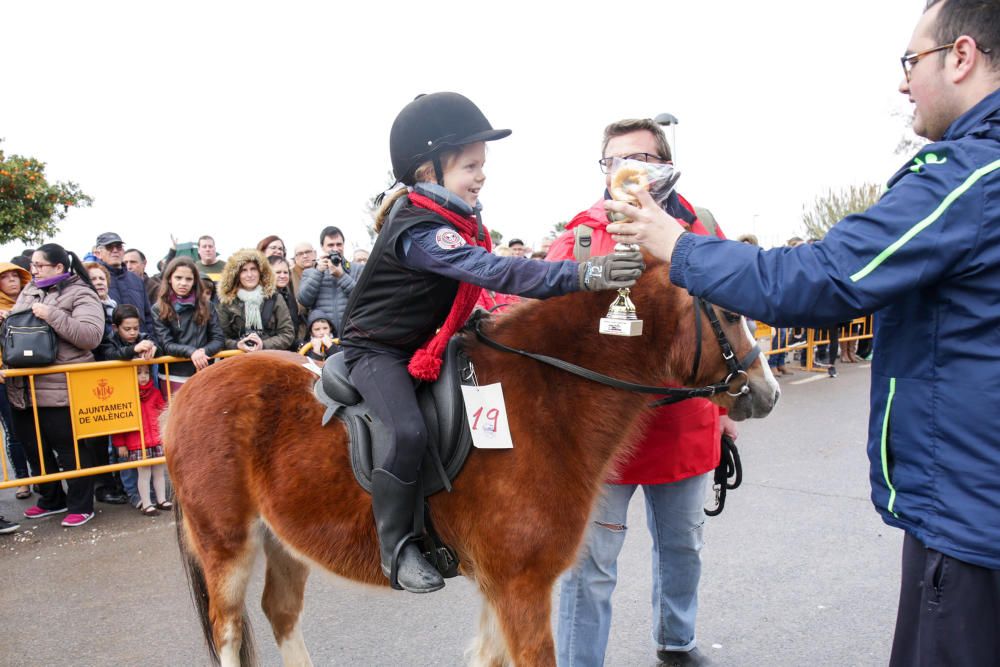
(394, 561)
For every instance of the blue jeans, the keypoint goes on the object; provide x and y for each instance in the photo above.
(676, 522)
(780, 340)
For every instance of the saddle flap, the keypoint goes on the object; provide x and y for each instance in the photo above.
(336, 383)
(448, 403)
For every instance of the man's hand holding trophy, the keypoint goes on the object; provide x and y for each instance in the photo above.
(627, 178)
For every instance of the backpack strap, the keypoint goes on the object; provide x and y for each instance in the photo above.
(707, 219)
(267, 309)
(581, 242)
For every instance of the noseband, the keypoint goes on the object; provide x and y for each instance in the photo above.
(670, 394)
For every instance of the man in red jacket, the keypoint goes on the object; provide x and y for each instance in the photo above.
(671, 463)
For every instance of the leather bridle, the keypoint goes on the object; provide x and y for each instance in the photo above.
(734, 367)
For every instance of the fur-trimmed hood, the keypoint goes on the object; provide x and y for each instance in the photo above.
(229, 284)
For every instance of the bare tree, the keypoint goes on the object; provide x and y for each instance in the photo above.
(909, 143)
(372, 205)
(828, 209)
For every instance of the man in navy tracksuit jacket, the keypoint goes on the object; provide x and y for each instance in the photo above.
(926, 259)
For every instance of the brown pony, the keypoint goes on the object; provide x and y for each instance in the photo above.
(241, 443)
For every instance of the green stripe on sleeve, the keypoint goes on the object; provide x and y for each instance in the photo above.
(926, 222)
(885, 445)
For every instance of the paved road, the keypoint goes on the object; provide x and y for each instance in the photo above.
(798, 570)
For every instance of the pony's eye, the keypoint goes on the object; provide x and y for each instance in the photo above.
(731, 317)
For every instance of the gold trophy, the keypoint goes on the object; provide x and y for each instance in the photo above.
(621, 319)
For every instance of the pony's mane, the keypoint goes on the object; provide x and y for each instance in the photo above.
(566, 327)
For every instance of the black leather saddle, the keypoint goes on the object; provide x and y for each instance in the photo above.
(449, 439)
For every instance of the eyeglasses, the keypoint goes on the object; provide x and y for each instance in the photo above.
(642, 157)
(910, 61)
(38, 266)
(303, 253)
(115, 246)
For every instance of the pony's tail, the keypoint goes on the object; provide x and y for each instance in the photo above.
(199, 594)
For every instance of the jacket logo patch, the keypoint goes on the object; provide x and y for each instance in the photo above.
(928, 159)
(449, 239)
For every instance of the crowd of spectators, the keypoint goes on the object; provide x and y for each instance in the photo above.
(106, 305)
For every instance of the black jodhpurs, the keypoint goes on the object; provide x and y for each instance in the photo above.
(389, 390)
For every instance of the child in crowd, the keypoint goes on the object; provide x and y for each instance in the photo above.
(186, 324)
(431, 258)
(129, 445)
(321, 344)
(126, 340)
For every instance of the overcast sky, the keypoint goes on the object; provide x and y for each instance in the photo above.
(247, 119)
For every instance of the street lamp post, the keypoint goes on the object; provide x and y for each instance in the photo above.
(670, 120)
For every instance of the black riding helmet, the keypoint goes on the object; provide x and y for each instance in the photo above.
(430, 124)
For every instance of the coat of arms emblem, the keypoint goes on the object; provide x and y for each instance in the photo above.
(103, 390)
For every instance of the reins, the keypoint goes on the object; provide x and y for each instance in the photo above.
(671, 394)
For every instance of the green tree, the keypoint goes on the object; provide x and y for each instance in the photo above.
(828, 209)
(496, 237)
(31, 207)
(558, 228)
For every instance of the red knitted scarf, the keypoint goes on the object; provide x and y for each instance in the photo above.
(426, 362)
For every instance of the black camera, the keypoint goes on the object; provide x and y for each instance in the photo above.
(335, 258)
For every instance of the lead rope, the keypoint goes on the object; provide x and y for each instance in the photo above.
(729, 466)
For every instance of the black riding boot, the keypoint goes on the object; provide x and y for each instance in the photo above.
(393, 502)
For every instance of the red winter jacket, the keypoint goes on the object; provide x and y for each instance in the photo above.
(151, 403)
(682, 440)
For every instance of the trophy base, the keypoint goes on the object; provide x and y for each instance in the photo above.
(616, 327)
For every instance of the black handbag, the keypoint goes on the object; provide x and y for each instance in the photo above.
(28, 342)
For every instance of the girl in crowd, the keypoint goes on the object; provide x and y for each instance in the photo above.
(285, 289)
(427, 267)
(130, 445)
(61, 295)
(252, 316)
(272, 246)
(186, 324)
(12, 280)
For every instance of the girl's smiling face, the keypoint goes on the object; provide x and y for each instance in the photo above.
(464, 176)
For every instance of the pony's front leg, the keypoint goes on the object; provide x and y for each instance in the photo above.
(523, 609)
(284, 589)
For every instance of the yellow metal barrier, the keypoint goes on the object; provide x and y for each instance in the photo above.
(866, 330)
(126, 425)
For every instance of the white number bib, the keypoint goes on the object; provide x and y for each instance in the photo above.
(487, 415)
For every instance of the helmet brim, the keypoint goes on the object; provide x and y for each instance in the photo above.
(485, 135)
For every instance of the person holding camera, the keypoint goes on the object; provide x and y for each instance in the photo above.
(329, 284)
(253, 316)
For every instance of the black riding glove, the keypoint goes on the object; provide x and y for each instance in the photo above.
(611, 271)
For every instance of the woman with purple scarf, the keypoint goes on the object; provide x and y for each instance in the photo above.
(61, 295)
